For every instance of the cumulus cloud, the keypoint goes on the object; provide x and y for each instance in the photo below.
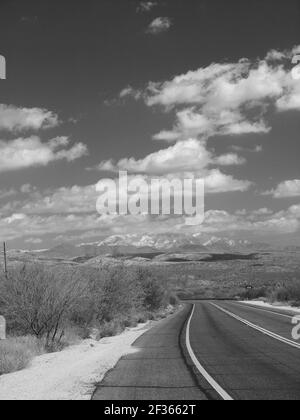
(146, 6)
(286, 189)
(29, 152)
(131, 92)
(255, 149)
(185, 159)
(257, 223)
(187, 155)
(227, 98)
(17, 119)
(75, 199)
(22, 226)
(184, 156)
(217, 182)
(7, 193)
(230, 159)
(189, 122)
(159, 25)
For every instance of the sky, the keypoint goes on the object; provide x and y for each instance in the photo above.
(167, 88)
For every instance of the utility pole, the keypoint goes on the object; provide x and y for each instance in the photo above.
(5, 259)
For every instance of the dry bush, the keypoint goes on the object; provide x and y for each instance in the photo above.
(173, 299)
(154, 293)
(121, 295)
(289, 292)
(110, 329)
(48, 302)
(254, 294)
(35, 301)
(16, 353)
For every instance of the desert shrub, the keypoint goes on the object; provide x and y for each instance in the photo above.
(154, 294)
(35, 301)
(59, 305)
(141, 318)
(173, 299)
(110, 328)
(86, 311)
(279, 295)
(294, 290)
(118, 298)
(16, 353)
(121, 295)
(290, 291)
(255, 293)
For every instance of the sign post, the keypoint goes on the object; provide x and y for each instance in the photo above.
(2, 328)
(2, 68)
(5, 259)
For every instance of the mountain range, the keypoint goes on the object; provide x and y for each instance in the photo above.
(128, 245)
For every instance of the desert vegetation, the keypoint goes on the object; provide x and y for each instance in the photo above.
(265, 275)
(44, 306)
(287, 291)
(55, 304)
(17, 352)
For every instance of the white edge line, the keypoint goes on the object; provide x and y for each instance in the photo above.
(260, 329)
(246, 305)
(201, 369)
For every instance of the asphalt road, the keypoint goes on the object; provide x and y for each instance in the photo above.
(210, 351)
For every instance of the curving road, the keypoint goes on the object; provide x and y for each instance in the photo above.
(210, 351)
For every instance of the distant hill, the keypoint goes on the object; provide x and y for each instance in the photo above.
(156, 244)
(64, 251)
(224, 245)
(293, 248)
(67, 251)
(191, 248)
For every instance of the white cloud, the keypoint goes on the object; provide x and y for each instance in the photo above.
(17, 119)
(230, 159)
(222, 86)
(275, 55)
(186, 159)
(27, 188)
(255, 149)
(263, 211)
(159, 25)
(16, 217)
(131, 92)
(29, 152)
(23, 226)
(146, 6)
(217, 182)
(76, 199)
(33, 241)
(185, 156)
(191, 122)
(256, 223)
(290, 101)
(227, 98)
(286, 189)
(7, 193)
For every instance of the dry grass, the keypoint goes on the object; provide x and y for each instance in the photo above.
(288, 292)
(17, 353)
(61, 306)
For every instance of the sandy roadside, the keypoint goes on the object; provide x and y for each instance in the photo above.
(72, 373)
(274, 306)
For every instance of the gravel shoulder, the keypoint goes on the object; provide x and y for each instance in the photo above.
(72, 373)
